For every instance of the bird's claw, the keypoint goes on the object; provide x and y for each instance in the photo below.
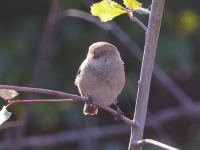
(119, 115)
(88, 100)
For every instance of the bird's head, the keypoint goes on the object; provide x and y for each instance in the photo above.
(103, 51)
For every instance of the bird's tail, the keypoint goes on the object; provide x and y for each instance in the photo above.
(90, 109)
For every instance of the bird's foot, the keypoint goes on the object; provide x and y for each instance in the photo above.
(119, 115)
(89, 100)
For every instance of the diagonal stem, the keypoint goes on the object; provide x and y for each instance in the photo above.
(64, 95)
(135, 19)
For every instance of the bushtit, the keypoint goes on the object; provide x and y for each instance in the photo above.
(101, 76)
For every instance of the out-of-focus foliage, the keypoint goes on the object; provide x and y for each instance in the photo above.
(188, 22)
(22, 28)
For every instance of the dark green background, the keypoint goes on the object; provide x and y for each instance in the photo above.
(22, 27)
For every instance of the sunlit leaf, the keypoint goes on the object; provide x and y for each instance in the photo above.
(141, 10)
(106, 10)
(132, 4)
(8, 94)
(4, 115)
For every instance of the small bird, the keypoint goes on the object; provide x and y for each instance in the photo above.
(101, 77)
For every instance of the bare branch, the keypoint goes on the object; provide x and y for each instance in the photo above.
(39, 100)
(11, 124)
(74, 136)
(135, 19)
(42, 141)
(42, 91)
(146, 72)
(143, 142)
(65, 95)
(152, 120)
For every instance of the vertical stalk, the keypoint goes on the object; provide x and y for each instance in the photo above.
(152, 35)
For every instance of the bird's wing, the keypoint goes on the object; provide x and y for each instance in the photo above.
(80, 70)
(82, 66)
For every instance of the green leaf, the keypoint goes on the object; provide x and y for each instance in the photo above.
(132, 4)
(106, 10)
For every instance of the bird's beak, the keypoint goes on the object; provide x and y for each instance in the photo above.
(95, 56)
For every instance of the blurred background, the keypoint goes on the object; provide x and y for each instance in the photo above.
(41, 45)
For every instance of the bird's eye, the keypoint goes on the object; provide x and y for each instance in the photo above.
(104, 52)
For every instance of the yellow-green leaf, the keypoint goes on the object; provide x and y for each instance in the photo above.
(132, 4)
(106, 10)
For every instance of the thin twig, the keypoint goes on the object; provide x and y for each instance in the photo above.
(65, 95)
(135, 19)
(42, 91)
(143, 142)
(152, 35)
(40, 100)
